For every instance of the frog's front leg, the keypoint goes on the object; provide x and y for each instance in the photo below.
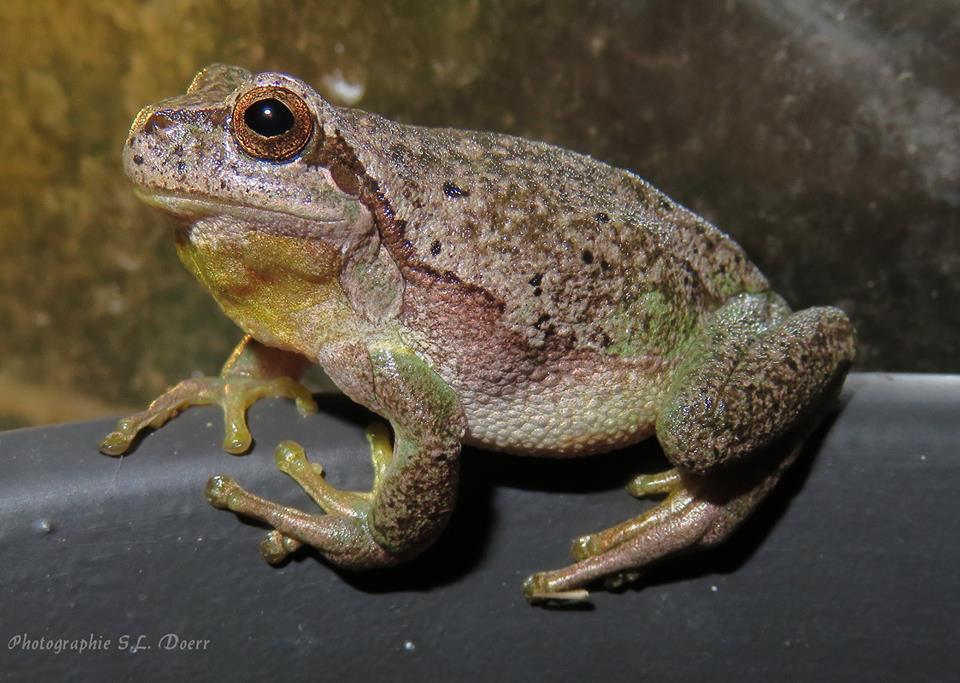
(252, 372)
(731, 425)
(415, 482)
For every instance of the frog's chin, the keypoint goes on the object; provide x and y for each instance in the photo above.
(192, 208)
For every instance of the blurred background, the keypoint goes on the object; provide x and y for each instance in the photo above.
(824, 135)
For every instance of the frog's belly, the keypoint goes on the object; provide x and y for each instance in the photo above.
(570, 411)
(555, 399)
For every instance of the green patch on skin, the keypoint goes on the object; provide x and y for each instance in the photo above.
(400, 361)
(650, 326)
(622, 326)
(729, 285)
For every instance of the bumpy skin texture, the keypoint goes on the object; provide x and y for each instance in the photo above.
(480, 288)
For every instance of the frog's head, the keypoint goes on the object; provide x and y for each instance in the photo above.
(267, 217)
(242, 145)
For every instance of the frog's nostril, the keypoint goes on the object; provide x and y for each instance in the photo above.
(269, 117)
(140, 121)
(156, 121)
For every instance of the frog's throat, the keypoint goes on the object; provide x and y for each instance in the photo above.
(284, 290)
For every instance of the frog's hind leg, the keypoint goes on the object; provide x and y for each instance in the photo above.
(691, 516)
(414, 487)
(752, 385)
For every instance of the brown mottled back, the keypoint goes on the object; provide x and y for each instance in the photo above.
(608, 261)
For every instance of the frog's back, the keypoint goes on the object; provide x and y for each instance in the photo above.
(569, 247)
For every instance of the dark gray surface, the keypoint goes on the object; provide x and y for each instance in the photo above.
(848, 572)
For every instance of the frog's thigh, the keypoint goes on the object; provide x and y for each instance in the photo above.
(417, 484)
(737, 402)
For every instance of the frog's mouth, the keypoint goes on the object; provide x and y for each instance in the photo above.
(192, 207)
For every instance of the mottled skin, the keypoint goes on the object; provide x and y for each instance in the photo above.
(483, 289)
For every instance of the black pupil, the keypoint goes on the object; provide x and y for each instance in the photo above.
(268, 117)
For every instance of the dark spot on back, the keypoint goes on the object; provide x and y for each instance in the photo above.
(602, 217)
(604, 265)
(665, 204)
(536, 279)
(435, 248)
(137, 159)
(454, 192)
(181, 166)
(541, 320)
(537, 291)
(587, 256)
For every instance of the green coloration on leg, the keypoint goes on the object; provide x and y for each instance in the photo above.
(417, 491)
(381, 451)
(654, 484)
(252, 372)
(669, 482)
(414, 485)
(292, 460)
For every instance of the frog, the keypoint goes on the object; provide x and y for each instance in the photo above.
(472, 289)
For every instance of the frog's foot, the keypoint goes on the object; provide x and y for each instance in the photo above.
(342, 534)
(616, 554)
(234, 394)
(697, 512)
(642, 485)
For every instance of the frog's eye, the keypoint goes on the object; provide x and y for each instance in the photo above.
(272, 123)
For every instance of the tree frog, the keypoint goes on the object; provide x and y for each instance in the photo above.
(472, 288)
